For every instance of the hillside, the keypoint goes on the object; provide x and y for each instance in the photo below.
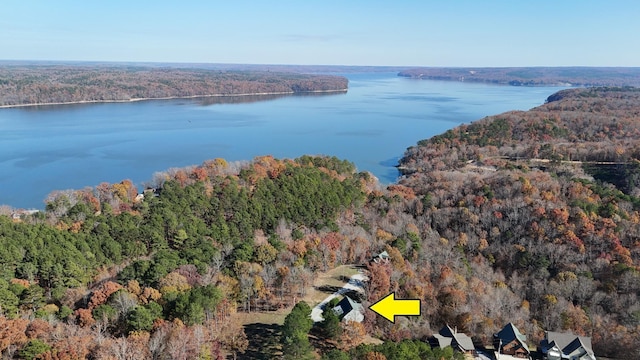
(548, 198)
(532, 76)
(22, 85)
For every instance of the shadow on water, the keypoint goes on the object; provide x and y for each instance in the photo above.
(391, 173)
(215, 100)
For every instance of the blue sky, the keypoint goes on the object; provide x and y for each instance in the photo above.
(346, 32)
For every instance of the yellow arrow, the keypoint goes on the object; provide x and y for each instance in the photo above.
(388, 307)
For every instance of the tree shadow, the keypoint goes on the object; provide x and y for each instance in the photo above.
(329, 289)
(319, 341)
(355, 295)
(264, 342)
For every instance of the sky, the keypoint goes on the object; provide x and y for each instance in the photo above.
(451, 33)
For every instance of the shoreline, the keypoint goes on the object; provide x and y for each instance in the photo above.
(173, 98)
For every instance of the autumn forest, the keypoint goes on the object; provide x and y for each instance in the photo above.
(527, 217)
(22, 85)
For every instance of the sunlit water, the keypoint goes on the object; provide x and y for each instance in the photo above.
(74, 146)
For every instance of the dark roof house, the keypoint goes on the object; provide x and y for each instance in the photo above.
(349, 310)
(451, 337)
(561, 346)
(509, 341)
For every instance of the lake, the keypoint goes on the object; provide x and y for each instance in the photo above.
(73, 146)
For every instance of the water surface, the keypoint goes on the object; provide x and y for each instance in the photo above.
(74, 146)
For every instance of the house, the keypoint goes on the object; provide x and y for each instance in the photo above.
(451, 337)
(349, 310)
(561, 346)
(18, 214)
(509, 341)
(382, 258)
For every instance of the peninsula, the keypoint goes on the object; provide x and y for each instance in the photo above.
(30, 85)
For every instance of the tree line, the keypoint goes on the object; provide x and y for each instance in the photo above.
(532, 76)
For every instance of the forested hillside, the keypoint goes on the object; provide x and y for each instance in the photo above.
(547, 200)
(532, 76)
(46, 84)
(525, 217)
(180, 262)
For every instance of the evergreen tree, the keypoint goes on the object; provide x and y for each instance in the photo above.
(295, 340)
(331, 323)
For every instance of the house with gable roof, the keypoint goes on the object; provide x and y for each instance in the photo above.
(566, 346)
(451, 337)
(349, 310)
(511, 342)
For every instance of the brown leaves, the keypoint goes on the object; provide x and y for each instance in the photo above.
(353, 334)
(38, 328)
(102, 293)
(84, 317)
(12, 332)
(405, 192)
(379, 281)
(149, 294)
(374, 355)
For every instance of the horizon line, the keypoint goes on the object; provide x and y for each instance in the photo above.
(55, 62)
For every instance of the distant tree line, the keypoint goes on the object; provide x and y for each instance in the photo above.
(22, 85)
(532, 76)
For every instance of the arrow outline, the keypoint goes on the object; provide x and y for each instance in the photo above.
(393, 299)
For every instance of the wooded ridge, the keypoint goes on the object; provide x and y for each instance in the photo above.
(60, 84)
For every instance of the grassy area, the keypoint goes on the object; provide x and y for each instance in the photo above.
(264, 317)
(263, 327)
(332, 280)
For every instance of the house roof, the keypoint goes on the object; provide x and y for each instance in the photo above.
(578, 343)
(443, 341)
(560, 339)
(349, 309)
(450, 337)
(567, 342)
(509, 333)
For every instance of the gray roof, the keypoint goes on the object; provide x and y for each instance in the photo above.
(348, 309)
(567, 342)
(443, 341)
(450, 337)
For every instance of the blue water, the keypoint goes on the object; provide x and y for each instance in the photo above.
(73, 146)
